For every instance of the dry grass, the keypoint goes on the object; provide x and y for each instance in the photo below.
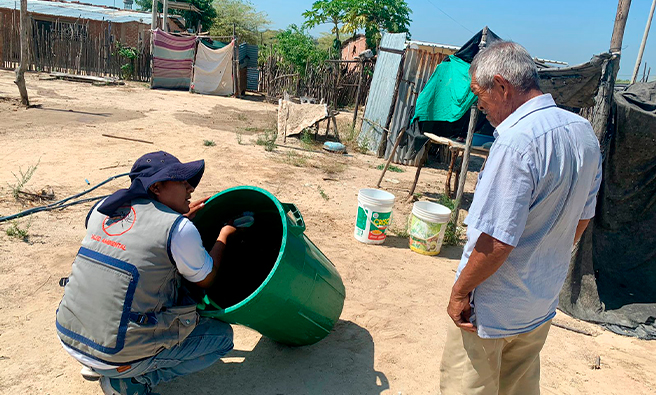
(330, 167)
(294, 159)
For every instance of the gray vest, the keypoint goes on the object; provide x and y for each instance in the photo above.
(119, 305)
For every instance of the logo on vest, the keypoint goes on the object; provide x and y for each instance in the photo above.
(120, 223)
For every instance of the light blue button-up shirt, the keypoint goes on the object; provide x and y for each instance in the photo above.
(541, 177)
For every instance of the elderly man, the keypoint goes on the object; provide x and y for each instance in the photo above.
(533, 201)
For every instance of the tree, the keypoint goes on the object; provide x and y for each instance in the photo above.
(328, 11)
(206, 17)
(325, 41)
(268, 36)
(296, 47)
(376, 16)
(246, 19)
(20, 71)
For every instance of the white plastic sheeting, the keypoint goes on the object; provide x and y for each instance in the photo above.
(213, 70)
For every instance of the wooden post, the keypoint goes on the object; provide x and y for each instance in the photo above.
(610, 67)
(422, 162)
(165, 15)
(24, 58)
(473, 119)
(235, 62)
(389, 160)
(636, 69)
(153, 22)
(454, 156)
(357, 96)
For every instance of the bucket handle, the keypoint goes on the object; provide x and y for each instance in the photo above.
(299, 226)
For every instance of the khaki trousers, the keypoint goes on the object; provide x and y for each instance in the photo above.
(508, 366)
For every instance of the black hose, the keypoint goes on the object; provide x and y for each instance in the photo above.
(60, 203)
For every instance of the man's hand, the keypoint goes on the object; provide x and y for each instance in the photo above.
(195, 207)
(459, 310)
(488, 256)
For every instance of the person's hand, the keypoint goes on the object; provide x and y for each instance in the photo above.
(459, 310)
(226, 231)
(195, 207)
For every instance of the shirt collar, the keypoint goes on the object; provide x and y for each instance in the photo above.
(535, 104)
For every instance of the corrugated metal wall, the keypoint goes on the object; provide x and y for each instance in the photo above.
(381, 92)
(420, 63)
(252, 72)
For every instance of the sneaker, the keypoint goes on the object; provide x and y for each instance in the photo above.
(126, 386)
(89, 374)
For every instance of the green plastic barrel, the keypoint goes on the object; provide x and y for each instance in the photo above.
(272, 278)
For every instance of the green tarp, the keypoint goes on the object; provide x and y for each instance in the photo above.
(213, 44)
(446, 96)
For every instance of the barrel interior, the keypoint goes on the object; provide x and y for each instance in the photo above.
(250, 253)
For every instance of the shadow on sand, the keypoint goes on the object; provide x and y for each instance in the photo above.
(342, 363)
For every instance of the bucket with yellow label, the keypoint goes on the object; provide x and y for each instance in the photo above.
(426, 227)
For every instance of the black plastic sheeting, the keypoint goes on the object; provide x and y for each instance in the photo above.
(574, 86)
(471, 48)
(612, 277)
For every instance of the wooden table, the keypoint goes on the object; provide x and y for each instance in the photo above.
(455, 147)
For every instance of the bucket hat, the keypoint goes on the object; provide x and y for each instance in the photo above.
(149, 169)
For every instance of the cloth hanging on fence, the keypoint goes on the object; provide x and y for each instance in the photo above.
(293, 118)
(213, 70)
(446, 96)
(172, 60)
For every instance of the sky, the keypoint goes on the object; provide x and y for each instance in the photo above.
(565, 30)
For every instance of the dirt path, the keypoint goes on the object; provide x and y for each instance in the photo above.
(390, 336)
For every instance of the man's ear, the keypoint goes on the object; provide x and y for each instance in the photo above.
(155, 188)
(503, 84)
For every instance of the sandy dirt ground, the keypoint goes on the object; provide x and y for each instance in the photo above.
(391, 333)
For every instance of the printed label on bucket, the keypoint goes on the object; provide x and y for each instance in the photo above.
(425, 237)
(361, 220)
(427, 245)
(379, 224)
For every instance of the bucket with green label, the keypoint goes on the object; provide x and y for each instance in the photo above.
(426, 227)
(374, 215)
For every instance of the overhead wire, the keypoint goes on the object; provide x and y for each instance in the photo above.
(453, 19)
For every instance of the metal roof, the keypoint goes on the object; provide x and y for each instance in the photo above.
(80, 10)
(176, 5)
(414, 44)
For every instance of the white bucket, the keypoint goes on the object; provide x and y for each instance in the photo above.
(426, 227)
(374, 215)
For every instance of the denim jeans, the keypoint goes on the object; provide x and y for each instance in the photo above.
(207, 343)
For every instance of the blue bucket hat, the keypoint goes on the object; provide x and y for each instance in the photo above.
(149, 169)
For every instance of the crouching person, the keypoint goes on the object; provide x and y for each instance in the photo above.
(124, 314)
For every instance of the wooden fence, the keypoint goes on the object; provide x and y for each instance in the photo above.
(72, 48)
(336, 83)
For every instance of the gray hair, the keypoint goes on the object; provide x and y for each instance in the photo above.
(508, 59)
